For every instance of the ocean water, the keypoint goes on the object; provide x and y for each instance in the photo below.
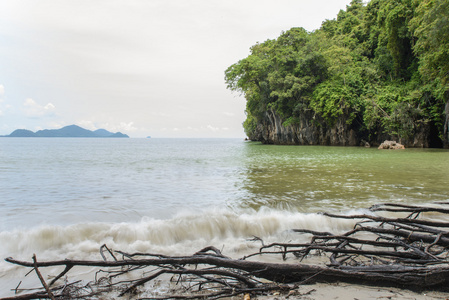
(65, 197)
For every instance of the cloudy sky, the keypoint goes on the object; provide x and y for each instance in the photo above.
(142, 67)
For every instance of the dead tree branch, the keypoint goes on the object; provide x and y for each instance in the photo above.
(410, 252)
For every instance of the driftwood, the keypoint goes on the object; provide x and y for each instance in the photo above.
(408, 251)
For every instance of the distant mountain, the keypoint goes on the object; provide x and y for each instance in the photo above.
(119, 135)
(103, 132)
(22, 133)
(68, 131)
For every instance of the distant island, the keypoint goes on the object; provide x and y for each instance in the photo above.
(67, 131)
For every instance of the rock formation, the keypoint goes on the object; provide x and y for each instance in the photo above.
(391, 145)
(313, 130)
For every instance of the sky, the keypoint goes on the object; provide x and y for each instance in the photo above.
(142, 67)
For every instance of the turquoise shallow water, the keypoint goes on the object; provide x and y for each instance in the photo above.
(64, 198)
(316, 178)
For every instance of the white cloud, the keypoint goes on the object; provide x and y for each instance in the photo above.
(127, 126)
(49, 107)
(214, 129)
(229, 114)
(35, 110)
(110, 126)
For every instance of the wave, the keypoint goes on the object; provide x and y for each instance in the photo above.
(183, 234)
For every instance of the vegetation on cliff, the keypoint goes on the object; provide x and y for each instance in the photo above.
(379, 70)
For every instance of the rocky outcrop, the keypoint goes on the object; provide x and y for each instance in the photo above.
(391, 145)
(313, 130)
(310, 130)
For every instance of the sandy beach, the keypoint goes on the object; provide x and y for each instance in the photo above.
(345, 291)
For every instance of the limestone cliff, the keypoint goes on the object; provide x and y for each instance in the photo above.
(309, 131)
(313, 130)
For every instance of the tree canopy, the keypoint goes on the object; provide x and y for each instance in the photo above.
(382, 67)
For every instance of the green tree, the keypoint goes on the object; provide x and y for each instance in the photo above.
(431, 29)
(382, 67)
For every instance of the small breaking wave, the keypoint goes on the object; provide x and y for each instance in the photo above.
(183, 234)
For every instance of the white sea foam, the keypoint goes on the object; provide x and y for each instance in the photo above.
(181, 235)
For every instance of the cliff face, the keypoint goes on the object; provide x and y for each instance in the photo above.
(309, 131)
(312, 130)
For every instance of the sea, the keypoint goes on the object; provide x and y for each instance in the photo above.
(66, 197)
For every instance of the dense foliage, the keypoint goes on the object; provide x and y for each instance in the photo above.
(383, 66)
